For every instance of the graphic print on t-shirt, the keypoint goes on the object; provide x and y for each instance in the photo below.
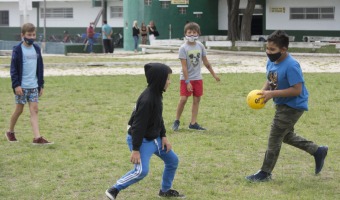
(194, 56)
(272, 78)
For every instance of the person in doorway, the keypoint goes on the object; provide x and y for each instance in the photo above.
(135, 34)
(90, 37)
(106, 34)
(144, 33)
(153, 32)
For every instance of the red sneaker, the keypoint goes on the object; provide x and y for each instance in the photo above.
(11, 136)
(41, 141)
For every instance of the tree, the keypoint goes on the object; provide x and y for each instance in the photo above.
(246, 21)
(233, 12)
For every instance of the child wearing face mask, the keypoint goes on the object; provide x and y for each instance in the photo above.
(27, 74)
(286, 86)
(191, 55)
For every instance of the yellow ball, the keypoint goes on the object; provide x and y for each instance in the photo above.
(254, 101)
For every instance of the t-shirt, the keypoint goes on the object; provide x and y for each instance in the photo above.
(29, 73)
(107, 29)
(284, 75)
(193, 55)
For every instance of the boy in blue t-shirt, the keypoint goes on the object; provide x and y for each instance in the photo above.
(286, 86)
(27, 74)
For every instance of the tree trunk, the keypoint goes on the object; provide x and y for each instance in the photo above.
(233, 12)
(246, 21)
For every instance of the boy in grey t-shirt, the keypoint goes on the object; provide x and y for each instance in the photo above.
(191, 54)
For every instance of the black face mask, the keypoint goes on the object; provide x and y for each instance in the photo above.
(28, 41)
(274, 57)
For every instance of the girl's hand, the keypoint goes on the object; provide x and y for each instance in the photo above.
(217, 78)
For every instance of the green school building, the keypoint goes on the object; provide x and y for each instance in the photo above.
(299, 18)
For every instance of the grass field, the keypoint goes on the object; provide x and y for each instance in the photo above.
(86, 117)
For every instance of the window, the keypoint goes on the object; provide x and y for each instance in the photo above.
(198, 14)
(165, 4)
(312, 13)
(182, 10)
(57, 13)
(147, 2)
(4, 18)
(116, 11)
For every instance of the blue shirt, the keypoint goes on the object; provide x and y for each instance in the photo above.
(29, 73)
(107, 30)
(284, 75)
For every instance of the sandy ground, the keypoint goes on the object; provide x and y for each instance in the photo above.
(222, 63)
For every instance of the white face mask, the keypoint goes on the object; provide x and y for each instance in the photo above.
(191, 38)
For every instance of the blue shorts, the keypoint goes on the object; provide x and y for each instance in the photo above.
(30, 95)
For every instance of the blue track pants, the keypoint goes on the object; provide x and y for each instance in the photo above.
(148, 148)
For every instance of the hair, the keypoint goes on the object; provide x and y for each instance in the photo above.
(135, 23)
(105, 21)
(28, 27)
(192, 26)
(280, 38)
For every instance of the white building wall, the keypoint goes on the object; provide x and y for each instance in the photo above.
(83, 13)
(114, 22)
(276, 21)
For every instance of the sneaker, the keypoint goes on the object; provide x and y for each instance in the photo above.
(41, 141)
(112, 193)
(171, 193)
(11, 136)
(319, 157)
(260, 176)
(196, 127)
(175, 126)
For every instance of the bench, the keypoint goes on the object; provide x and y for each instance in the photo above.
(321, 39)
(337, 46)
(171, 44)
(210, 44)
(167, 42)
(240, 44)
(5, 52)
(265, 37)
(304, 45)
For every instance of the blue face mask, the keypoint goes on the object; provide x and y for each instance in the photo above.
(28, 41)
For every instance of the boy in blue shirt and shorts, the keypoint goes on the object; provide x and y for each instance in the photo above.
(286, 86)
(27, 74)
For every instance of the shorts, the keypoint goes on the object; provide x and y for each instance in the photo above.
(197, 88)
(30, 95)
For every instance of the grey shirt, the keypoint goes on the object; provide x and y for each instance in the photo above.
(193, 55)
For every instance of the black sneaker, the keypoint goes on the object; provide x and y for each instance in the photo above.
(112, 193)
(260, 176)
(196, 127)
(175, 126)
(171, 193)
(319, 157)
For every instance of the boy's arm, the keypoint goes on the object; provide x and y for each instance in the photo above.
(265, 86)
(186, 74)
(292, 91)
(208, 66)
(16, 85)
(185, 69)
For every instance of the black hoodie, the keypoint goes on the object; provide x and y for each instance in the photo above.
(146, 120)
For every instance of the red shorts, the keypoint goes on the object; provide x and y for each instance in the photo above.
(197, 88)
